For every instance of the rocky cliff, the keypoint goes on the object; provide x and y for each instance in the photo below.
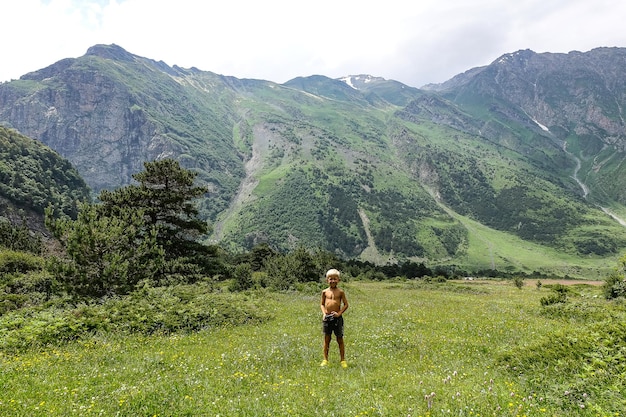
(109, 111)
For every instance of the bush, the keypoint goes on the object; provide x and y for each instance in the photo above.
(588, 360)
(581, 311)
(19, 262)
(105, 255)
(148, 310)
(19, 238)
(280, 274)
(558, 295)
(10, 302)
(553, 299)
(23, 281)
(33, 282)
(440, 278)
(614, 286)
(242, 278)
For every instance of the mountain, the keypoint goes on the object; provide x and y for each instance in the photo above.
(504, 166)
(391, 91)
(575, 100)
(33, 178)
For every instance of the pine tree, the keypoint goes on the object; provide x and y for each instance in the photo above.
(104, 255)
(165, 193)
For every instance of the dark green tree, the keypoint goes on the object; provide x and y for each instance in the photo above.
(19, 237)
(259, 254)
(284, 271)
(165, 193)
(280, 272)
(325, 260)
(242, 278)
(104, 255)
(303, 265)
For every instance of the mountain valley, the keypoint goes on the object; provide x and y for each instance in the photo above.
(514, 166)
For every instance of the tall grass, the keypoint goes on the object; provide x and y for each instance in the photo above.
(413, 350)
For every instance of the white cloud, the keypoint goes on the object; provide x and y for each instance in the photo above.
(413, 42)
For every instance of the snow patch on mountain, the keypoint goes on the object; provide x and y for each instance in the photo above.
(355, 81)
(348, 80)
(543, 127)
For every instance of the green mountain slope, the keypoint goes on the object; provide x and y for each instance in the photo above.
(574, 101)
(364, 167)
(32, 176)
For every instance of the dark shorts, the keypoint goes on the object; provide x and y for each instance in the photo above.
(333, 325)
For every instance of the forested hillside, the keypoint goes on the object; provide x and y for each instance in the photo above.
(33, 177)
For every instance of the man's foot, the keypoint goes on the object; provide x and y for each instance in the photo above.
(344, 364)
(324, 363)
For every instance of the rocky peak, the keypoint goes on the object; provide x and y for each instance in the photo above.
(112, 51)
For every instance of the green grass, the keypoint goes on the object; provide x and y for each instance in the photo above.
(403, 340)
(489, 248)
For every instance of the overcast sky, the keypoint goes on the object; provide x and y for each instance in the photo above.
(412, 41)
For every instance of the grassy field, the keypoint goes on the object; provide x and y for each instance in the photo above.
(413, 349)
(492, 249)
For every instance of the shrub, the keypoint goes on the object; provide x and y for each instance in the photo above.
(19, 262)
(558, 295)
(553, 299)
(33, 282)
(588, 360)
(280, 274)
(614, 286)
(105, 255)
(440, 278)
(372, 275)
(242, 278)
(581, 311)
(148, 310)
(19, 238)
(310, 288)
(10, 302)
(260, 279)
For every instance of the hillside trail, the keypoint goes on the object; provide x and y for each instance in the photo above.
(253, 166)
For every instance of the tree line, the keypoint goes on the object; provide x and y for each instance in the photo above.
(149, 234)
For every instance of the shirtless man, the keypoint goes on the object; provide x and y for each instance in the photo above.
(333, 305)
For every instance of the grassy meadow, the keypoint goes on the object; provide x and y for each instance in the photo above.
(414, 349)
(492, 249)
